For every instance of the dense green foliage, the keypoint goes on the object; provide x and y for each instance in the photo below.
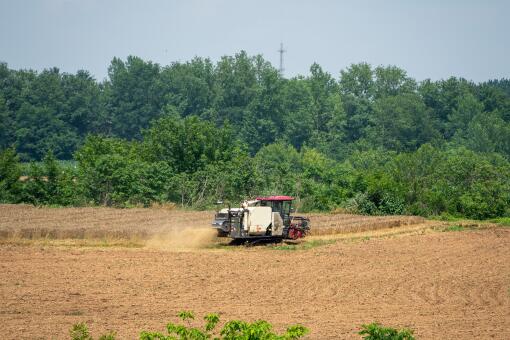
(231, 330)
(374, 141)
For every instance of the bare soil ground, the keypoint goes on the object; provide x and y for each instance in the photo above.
(445, 285)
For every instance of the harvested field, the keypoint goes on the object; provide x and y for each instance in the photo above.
(445, 285)
(329, 224)
(139, 225)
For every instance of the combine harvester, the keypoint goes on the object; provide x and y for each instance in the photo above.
(265, 219)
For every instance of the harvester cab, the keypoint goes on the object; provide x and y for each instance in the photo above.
(262, 218)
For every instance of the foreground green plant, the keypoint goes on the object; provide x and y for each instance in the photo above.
(80, 332)
(375, 331)
(232, 330)
(239, 330)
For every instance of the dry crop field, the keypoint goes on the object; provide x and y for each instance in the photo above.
(26, 222)
(133, 269)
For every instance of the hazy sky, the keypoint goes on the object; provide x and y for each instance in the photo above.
(428, 38)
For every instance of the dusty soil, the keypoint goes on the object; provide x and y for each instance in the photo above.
(445, 285)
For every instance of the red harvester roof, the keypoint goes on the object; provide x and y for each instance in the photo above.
(275, 198)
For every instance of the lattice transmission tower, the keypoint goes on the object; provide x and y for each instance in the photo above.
(282, 51)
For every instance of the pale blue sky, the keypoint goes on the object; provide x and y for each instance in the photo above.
(430, 39)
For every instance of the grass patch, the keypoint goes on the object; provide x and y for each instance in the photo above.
(504, 221)
(303, 245)
(454, 228)
(460, 227)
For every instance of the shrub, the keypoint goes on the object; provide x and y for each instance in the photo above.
(391, 204)
(50, 183)
(81, 332)
(375, 331)
(361, 204)
(9, 175)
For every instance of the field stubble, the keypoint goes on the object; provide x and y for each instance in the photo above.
(161, 227)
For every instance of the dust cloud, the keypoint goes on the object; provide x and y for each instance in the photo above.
(182, 238)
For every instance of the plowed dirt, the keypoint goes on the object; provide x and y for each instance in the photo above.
(453, 285)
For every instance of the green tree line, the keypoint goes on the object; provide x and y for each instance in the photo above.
(372, 140)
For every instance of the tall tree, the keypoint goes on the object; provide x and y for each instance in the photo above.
(401, 123)
(190, 87)
(358, 90)
(42, 119)
(298, 118)
(81, 108)
(392, 81)
(135, 97)
(264, 117)
(237, 81)
(187, 144)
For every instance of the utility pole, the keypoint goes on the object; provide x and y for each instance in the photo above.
(281, 50)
